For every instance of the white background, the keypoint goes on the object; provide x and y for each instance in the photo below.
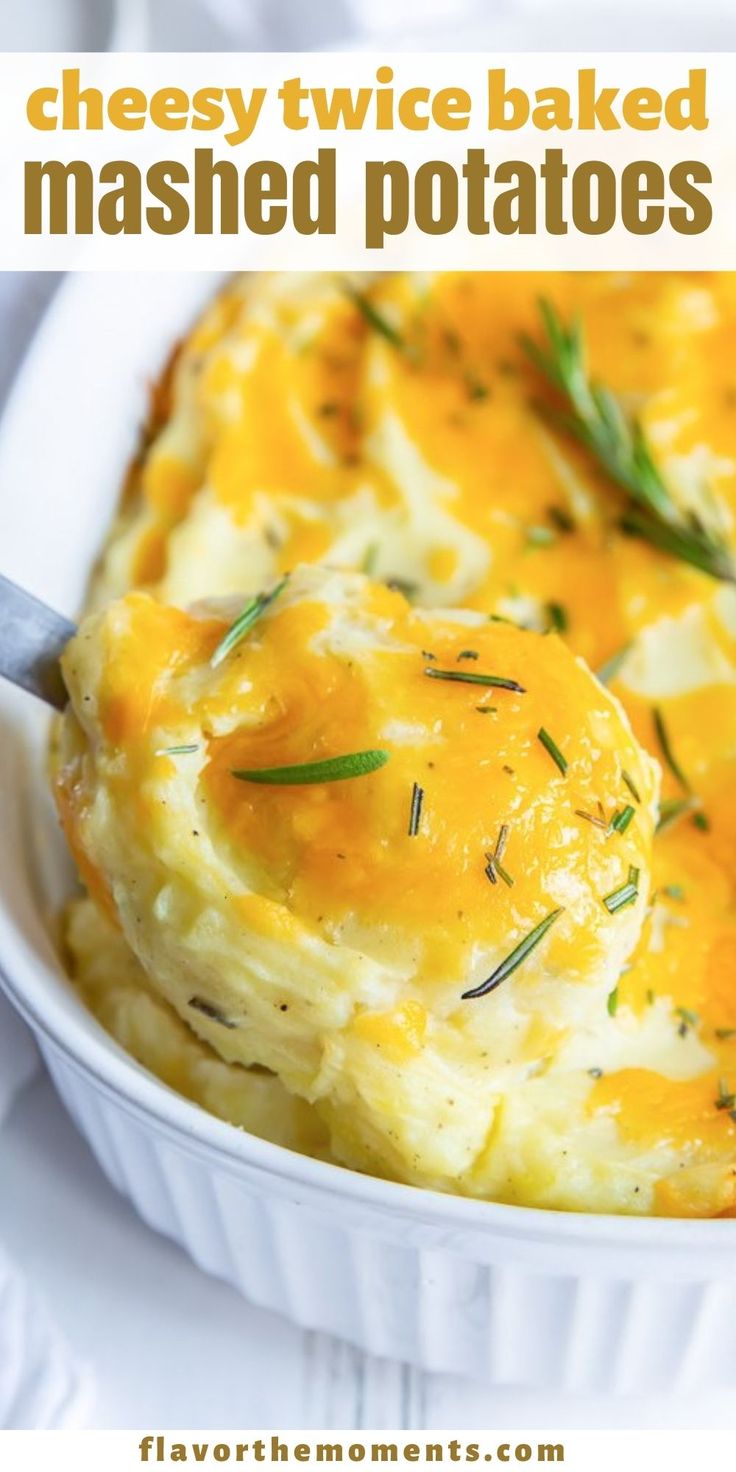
(360, 151)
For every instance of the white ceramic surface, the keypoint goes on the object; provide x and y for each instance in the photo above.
(514, 1295)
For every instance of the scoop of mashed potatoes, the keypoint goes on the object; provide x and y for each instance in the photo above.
(118, 992)
(397, 857)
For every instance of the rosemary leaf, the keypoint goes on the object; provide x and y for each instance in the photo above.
(667, 752)
(670, 809)
(630, 783)
(611, 667)
(619, 898)
(331, 769)
(621, 819)
(244, 623)
(514, 957)
(415, 814)
(472, 677)
(558, 619)
(553, 749)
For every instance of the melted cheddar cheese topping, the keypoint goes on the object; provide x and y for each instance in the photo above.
(291, 430)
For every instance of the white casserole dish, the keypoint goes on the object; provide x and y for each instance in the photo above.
(508, 1294)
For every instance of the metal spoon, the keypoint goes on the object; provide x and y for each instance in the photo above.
(32, 640)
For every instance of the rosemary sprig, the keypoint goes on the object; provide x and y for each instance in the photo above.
(332, 769)
(244, 623)
(514, 957)
(594, 417)
(177, 750)
(472, 677)
(415, 814)
(553, 749)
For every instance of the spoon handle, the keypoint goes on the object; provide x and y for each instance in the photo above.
(32, 638)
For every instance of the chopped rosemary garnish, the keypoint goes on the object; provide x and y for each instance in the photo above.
(650, 996)
(724, 1033)
(376, 319)
(467, 654)
(557, 615)
(595, 1072)
(471, 677)
(591, 818)
(621, 819)
(402, 585)
(177, 750)
(494, 867)
(625, 895)
(611, 667)
(595, 418)
(670, 809)
(515, 957)
(553, 749)
(539, 536)
(501, 841)
(673, 891)
(612, 1002)
(370, 559)
(486, 710)
(503, 873)
(332, 769)
(725, 1100)
(667, 752)
(561, 519)
(243, 625)
(630, 783)
(688, 1019)
(415, 815)
(208, 1009)
(475, 388)
(701, 821)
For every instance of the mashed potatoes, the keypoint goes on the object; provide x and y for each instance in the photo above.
(328, 931)
(352, 935)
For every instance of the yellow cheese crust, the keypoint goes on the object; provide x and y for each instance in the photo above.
(290, 431)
